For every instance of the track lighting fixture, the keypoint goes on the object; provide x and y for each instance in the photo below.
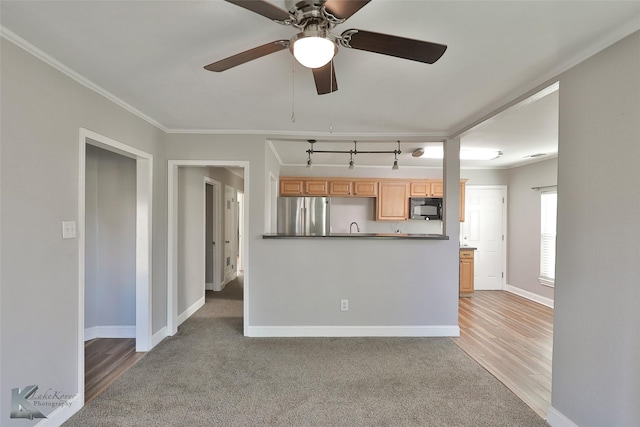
(351, 153)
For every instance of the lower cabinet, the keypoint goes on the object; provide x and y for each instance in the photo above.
(466, 272)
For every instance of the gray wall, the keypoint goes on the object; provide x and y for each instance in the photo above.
(290, 284)
(485, 176)
(42, 111)
(110, 239)
(596, 375)
(523, 233)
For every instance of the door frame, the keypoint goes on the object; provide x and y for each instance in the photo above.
(172, 237)
(503, 188)
(144, 210)
(216, 230)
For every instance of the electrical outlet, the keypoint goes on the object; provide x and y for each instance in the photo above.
(344, 304)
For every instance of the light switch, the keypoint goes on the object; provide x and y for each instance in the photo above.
(68, 229)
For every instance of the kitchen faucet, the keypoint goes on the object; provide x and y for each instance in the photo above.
(351, 226)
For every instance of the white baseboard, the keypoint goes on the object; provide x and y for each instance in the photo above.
(189, 311)
(354, 331)
(61, 413)
(158, 336)
(209, 287)
(556, 419)
(113, 331)
(219, 286)
(530, 295)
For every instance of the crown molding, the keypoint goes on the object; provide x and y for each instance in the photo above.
(74, 75)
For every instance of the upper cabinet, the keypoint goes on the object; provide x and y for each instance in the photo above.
(316, 187)
(392, 194)
(340, 188)
(393, 201)
(365, 188)
(291, 187)
(420, 188)
(426, 188)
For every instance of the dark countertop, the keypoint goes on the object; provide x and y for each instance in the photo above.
(387, 236)
(468, 248)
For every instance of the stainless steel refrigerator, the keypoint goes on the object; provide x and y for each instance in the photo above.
(304, 216)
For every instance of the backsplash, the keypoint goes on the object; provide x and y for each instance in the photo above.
(345, 210)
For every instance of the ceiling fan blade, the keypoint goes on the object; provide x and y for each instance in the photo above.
(343, 9)
(400, 47)
(248, 55)
(264, 8)
(325, 78)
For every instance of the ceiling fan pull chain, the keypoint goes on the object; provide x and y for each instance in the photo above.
(293, 90)
(331, 99)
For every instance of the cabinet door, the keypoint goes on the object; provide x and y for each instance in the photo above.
(291, 187)
(420, 188)
(437, 188)
(466, 272)
(340, 188)
(316, 187)
(365, 188)
(393, 201)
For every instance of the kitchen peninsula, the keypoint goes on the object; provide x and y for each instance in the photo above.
(377, 236)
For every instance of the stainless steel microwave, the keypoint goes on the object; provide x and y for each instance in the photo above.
(425, 208)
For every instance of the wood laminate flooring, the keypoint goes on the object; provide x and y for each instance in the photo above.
(512, 338)
(105, 359)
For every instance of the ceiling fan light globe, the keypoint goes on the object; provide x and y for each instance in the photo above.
(314, 52)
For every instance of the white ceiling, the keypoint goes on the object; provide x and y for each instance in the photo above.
(150, 55)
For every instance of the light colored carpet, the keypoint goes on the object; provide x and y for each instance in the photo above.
(210, 375)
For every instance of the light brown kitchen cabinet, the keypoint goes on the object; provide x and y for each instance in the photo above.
(315, 187)
(291, 187)
(340, 188)
(393, 201)
(420, 188)
(466, 272)
(437, 188)
(365, 188)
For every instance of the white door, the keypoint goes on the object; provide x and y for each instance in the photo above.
(230, 236)
(484, 229)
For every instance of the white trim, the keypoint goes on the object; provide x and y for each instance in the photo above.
(63, 413)
(212, 286)
(556, 419)
(172, 237)
(74, 75)
(530, 296)
(144, 179)
(159, 336)
(113, 331)
(190, 311)
(355, 331)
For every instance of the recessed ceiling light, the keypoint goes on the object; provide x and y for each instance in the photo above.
(533, 156)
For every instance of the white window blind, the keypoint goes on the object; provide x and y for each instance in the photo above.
(548, 214)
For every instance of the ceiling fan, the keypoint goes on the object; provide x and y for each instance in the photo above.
(315, 45)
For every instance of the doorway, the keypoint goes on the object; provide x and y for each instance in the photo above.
(484, 228)
(176, 167)
(136, 264)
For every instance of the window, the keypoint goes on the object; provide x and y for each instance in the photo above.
(549, 203)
